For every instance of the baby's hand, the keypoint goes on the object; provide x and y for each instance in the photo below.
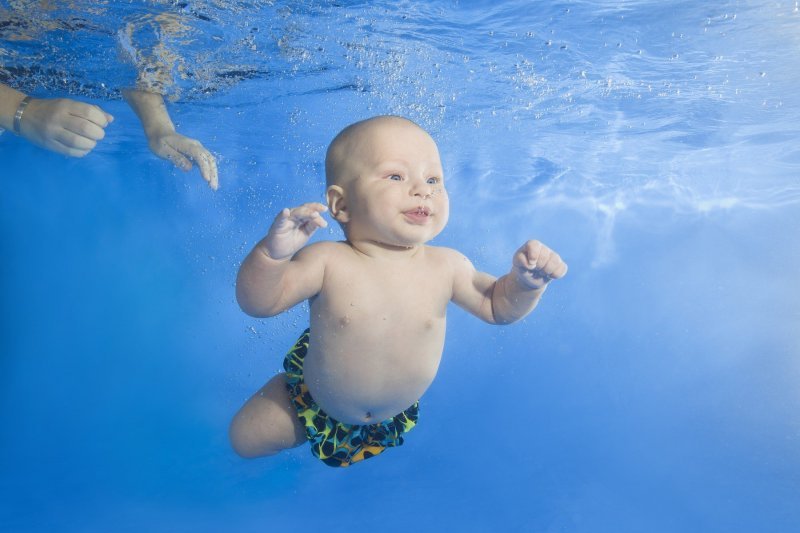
(182, 150)
(292, 229)
(537, 265)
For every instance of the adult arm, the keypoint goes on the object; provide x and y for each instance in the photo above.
(62, 125)
(167, 143)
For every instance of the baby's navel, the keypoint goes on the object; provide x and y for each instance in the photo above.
(345, 320)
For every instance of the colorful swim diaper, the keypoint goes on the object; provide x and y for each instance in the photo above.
(337, 443)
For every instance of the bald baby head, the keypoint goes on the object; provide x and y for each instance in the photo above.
(355, 143)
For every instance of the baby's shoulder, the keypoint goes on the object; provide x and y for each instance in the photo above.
(445, 256)
(323, 250)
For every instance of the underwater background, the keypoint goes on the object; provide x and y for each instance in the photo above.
(654, 145)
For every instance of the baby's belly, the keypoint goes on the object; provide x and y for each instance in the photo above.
(371, 385)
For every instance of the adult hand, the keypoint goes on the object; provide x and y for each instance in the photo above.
(65, 126)
(182, 151)
(164, 141)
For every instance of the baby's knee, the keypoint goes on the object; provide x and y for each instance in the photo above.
(267, 423)
(246, 440)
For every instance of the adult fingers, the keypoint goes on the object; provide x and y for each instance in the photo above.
(178, 159)
(64, 149)
(89, 112)
(98, 116)
(208, 169)
(84, 127)
(75, 144)
(195, 151)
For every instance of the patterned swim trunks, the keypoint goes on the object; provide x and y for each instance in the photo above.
(337, 443)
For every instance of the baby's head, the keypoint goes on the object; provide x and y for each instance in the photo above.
(386, 171)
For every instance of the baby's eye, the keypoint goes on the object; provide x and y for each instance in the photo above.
(396, 177)
(434, 180)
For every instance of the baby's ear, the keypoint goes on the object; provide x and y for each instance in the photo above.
(336, 204)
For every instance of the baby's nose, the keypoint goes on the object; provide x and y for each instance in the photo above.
(424, 194)
(425, 190)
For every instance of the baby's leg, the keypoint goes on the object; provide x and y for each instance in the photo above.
(267, 423)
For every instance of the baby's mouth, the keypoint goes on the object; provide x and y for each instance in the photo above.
(420, 211)
(418, 214)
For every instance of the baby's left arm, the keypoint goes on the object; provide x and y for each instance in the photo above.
(510, 297)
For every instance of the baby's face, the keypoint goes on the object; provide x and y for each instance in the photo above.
(395, 195)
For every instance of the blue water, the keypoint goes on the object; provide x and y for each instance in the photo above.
(655, 146)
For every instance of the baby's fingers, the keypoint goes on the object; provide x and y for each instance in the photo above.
(282, 220)
(550, 263)
(309, 209)
(530, 254)
(534, 256)
(310, 212)
(306, 217)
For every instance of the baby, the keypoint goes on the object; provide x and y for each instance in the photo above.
(378, 300)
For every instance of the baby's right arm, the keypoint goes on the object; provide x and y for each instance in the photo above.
(279, 273)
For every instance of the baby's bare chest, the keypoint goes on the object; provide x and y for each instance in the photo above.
(386, 292)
